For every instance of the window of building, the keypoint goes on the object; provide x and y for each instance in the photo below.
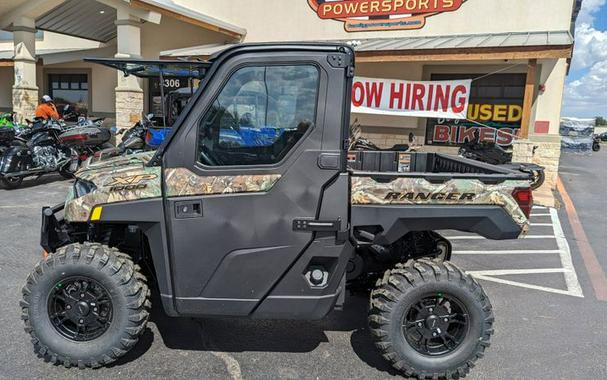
(259, 116)
(72, 89)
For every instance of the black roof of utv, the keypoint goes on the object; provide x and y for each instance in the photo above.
(151, 68)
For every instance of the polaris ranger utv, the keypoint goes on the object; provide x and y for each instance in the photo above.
(273, 227)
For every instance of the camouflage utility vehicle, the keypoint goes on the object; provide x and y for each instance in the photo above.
(249, 209)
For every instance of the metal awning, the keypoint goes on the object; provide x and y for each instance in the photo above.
(469, 41)
(81, 18)
(94, 20)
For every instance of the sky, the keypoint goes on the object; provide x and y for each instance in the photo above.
(586, 87)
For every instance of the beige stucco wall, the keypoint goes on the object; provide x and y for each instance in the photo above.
(55, 41)
(547, 105)
(289, 20)
(174, 34)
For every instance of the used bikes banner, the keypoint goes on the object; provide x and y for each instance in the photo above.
(437, 99)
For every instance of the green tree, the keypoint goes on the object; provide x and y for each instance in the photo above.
(600, 121)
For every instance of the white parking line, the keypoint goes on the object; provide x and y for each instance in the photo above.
(506, 272)
(570, 276)
(474, 237)
(568, 270)
(509, 252)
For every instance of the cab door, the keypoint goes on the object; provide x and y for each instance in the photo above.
(246, 173)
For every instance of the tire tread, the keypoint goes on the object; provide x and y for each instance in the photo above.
(403, 277)
(128, 277)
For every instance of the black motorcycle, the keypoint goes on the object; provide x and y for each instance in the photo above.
(491, 153)
(596, 143)
(49, 146)
(133, 140)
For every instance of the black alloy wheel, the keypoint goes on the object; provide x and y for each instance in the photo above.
(85, 305)
(430, 319)
(80, 308)
(436, 325)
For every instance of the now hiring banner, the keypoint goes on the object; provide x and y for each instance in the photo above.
(436, 99)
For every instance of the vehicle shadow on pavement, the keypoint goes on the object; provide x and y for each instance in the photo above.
(241, 334)
(33, 182)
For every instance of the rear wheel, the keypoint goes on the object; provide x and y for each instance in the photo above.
(85, 305)
(430, 320)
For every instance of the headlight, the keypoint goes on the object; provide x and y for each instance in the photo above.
(83, 187)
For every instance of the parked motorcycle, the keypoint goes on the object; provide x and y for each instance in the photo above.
(134, 140)
(358, 142)
(49, 146)
(596, 143)
(494, 154)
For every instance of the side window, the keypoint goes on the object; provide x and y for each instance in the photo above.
(259, 116)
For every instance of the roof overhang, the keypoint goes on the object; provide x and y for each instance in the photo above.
(489, 46)
(95, 19)
(170, 9)
(474, 47)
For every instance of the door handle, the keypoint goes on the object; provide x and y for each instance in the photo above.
(188, 209)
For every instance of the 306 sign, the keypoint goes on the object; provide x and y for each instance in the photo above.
(367, 15)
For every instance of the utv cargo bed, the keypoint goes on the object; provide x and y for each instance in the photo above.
(447, 192)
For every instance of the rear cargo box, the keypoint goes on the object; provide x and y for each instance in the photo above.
(379, 161)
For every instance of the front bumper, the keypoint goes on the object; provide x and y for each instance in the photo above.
(54, 230)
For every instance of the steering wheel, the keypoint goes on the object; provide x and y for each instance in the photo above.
(207, 156)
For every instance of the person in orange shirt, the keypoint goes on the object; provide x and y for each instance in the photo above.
(46, 109)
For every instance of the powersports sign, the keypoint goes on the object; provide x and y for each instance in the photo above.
(436, 99)
(367, 15)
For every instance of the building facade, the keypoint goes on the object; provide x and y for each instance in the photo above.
(516, 53)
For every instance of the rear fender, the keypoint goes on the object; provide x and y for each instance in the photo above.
(395, 221)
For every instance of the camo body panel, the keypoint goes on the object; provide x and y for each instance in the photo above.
(105, 175)
(182, 182)
(367, 191)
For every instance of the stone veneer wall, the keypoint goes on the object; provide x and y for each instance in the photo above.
(129, 107)
(545, 153)
(25, 101)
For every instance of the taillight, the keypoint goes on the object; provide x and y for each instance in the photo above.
(74, 138)
(524, 198)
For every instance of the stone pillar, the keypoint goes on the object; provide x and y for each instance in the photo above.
(522, 151)
(548, 154)
(129, 94)
(25, 91)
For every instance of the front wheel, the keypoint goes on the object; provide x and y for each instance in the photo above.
(596, 147)
(11, 182)
(430, 320)
(85, 305)
(538, 179)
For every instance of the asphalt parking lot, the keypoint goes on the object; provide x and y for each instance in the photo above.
(549, 322)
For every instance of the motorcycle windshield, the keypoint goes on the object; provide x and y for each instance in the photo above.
(153, 68)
